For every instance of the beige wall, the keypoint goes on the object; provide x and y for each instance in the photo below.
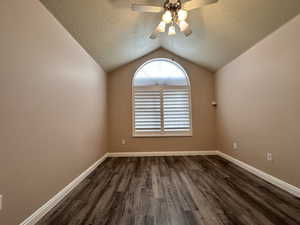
(120, 117)
(259, 104)
(53, 107)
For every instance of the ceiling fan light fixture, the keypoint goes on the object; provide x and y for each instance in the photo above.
(161, 27)
(175, 13)
(182, 15)
(167, 16)
(183, 25)
(172, 30)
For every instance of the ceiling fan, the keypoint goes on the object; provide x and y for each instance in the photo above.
(175, 14)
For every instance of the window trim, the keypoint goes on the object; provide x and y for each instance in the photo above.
(160, 88)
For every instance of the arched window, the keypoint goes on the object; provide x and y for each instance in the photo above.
(161, 100)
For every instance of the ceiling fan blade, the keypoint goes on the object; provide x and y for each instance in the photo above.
(188, 31)
(155, 34)
(147, 8)
(195, 4)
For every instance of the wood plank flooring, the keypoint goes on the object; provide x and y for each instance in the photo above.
(193, 190)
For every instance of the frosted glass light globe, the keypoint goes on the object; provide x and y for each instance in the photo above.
(182, 15)
(162, 26)
(183, 25)
(172, 30)
(167, 17)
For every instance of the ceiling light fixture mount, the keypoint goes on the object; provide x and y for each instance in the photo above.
(174, 15)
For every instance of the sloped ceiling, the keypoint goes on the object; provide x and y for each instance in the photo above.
(114, 35)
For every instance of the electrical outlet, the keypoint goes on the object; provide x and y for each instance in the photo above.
(123, 141)
(269, 156)
(0, 202)
(235, 145)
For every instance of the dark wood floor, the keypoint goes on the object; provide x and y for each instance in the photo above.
(194, 190)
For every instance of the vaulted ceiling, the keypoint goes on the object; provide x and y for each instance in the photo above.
(114, 35)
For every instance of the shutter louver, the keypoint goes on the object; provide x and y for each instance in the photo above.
(147, 111)
(176, 110)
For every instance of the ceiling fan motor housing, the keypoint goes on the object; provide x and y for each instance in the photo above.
(173, 6)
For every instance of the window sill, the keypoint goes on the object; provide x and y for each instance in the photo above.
(161, 135)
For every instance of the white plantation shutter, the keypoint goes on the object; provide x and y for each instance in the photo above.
(162, 111)
(147, 111)
(176, 110)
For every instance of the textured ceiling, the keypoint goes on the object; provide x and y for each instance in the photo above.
(114, 35)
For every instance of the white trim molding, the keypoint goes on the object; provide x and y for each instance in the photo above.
(167, 153)
(267, 177)
(43, 210)
(38, 214)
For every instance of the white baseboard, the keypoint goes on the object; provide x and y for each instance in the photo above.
(167, 153)
(267, 177)
(38, 214)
